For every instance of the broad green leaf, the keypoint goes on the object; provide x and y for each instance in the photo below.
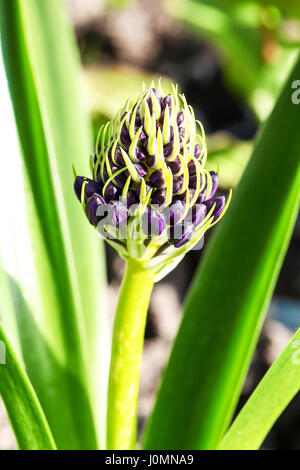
(25, 413)
(226, 305)
(58, 290)
(272, 395)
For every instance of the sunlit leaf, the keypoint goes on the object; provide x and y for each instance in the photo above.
(226, 305)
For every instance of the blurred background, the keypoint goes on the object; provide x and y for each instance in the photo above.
(230, 59)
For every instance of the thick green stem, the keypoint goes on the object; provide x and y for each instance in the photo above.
(127, 348)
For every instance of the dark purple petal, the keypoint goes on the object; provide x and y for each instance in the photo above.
(151, 162)
(193, 182)
(131, 198)
(141, 169)
(111, 192)
(198, 213)
(157, 94)
(181, 234)
(138, 119)
(192, 168)
(175, 166)
(201, 197)
(177, 184)
(158, 197)
(140, 155)
(153, 223)
(188, 232)
(220, 204)
(176, 211)
(90, 188)
(138, 190)
(91, 207)
(197, 151)
(157, 179)
(124, 137)
(149, 100)
(119, 157)
(118, 215)
(215, 183)
(167, 100)
(180, 118)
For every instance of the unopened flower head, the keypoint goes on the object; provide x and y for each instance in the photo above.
(151, 196)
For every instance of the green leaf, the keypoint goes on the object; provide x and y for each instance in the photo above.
(226, 305)
(267, 402)
(23, 408)
(58, 291)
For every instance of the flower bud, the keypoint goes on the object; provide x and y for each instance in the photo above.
(149, 169)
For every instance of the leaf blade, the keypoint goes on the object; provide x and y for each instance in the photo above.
(272, 395)
(60, 327)
(226, 304)
(28, 421)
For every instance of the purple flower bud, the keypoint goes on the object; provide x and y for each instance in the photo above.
(118, 215)
(177, 184)
(157, 94)
(138, 189)
(111, 192)
(138, 119)
(153, 223)
(131, 198)
(175, 166)
(197, 213)
(192, 168)
(90, 188)
(182, 132)
(220, 204)
(181, 233)
(91, 207)
(188, 230)
(149, 100)
(158, 197)
(180, 119)
(157, 179)
(151, 162)
(197, 151)
(167, 100)
(141, 155)
(121, 178)
(215, 182)
(143, 140)
(119, 157)
(168, 148)
(124, 137)
(176, 211)
(142, 171)
(193, 182)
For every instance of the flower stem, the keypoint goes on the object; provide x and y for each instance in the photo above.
(127, 348)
